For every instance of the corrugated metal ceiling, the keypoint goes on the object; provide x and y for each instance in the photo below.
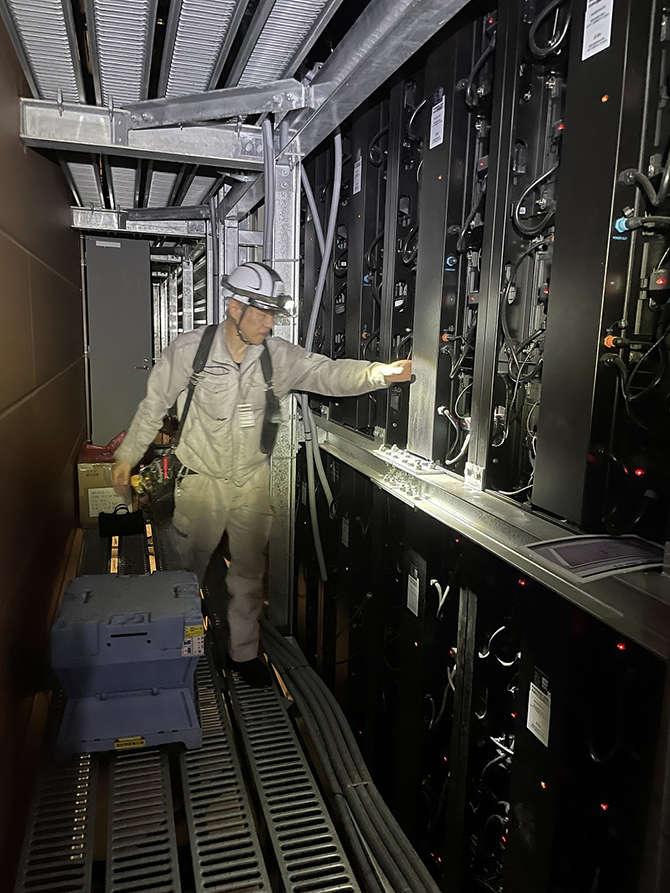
(128, 40)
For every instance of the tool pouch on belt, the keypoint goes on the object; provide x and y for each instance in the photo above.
(160, 476)
(272, 416)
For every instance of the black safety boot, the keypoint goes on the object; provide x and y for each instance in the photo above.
(254, 672)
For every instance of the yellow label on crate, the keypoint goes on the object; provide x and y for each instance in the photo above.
(127, 743)
(191, 631)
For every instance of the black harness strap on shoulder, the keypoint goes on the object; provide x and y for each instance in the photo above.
(199, 362)
(272, 416)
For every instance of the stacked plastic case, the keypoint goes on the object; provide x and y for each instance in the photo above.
(125, 650)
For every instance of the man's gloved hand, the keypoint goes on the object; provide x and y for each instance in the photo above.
(397, 372)
(121, 477)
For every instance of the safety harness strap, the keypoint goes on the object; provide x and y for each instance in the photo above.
(272, 416)
(198, 365)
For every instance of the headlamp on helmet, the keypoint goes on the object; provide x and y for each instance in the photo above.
(258, 285)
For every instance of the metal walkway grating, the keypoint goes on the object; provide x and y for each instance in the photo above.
(224, 844)
(141, 844)
(57, 851)
(307, 849)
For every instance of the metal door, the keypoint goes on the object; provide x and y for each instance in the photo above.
(118, 285)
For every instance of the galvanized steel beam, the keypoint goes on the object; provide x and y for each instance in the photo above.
(65, 126)
(231, 102)
(286, 261)
(384, 36)
(118, 221)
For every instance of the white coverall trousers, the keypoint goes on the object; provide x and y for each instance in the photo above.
(205, 507)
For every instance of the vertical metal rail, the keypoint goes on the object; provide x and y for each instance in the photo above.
(173, 318)
(309, 855)
(141, 842)
(84, 315)
(58, 846)
(224, 844)
(508, 49)
(156, 317)
(210, 275)
(187, 295)
(164, 315)
(287, 264)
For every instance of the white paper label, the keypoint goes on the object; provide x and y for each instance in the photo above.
(436, 125)
(345, 532)
(539, 713)
(106, 244)
(245, 415)
(104, 499)
(597, 27)
(358, 175)
(413, 592)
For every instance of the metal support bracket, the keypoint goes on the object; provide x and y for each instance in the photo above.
(279, 97)
(81, 128)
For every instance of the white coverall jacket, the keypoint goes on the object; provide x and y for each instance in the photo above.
(231, 490)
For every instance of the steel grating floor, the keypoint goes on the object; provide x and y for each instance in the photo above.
(151, 799)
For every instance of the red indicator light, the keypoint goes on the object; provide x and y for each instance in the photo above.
(640, 472)
(446, 759)
(504, 839)
(522, 582)
(604, 806)
(621, 646)
(457, 540)
(543, 785)
(604, 97)
(561, 127)
(661, 280)
(491, 21)
(514, 715)
(439, 176)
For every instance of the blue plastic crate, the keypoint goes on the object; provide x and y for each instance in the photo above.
(125, 650)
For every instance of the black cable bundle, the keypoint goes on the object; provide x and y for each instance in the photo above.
(367, 821)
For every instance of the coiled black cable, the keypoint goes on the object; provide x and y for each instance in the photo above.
(375, 154)
(462, 239)
(534, 229)
(556, 40)
(471, 94)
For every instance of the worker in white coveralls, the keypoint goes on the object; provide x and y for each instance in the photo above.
(224, 484)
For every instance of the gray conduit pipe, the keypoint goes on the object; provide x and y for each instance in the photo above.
(312, 449)
(308, 418)
(330, 755)
(346, 757)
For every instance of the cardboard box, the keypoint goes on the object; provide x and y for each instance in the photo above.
(96, 493)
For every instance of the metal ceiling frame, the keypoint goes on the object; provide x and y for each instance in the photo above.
(19, 49)
(103, 220)
(171, 35)
(250, 40)
(81, 128)
(279, 97)
(386, 34)
(316, 31)
(94, 49)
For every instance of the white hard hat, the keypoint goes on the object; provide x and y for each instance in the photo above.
(257, 285)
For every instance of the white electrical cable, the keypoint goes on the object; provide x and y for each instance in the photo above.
(309, 341)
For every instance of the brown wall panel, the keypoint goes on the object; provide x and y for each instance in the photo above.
(57, 321)
(17, 370)
(34, 198)
(41, 428)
